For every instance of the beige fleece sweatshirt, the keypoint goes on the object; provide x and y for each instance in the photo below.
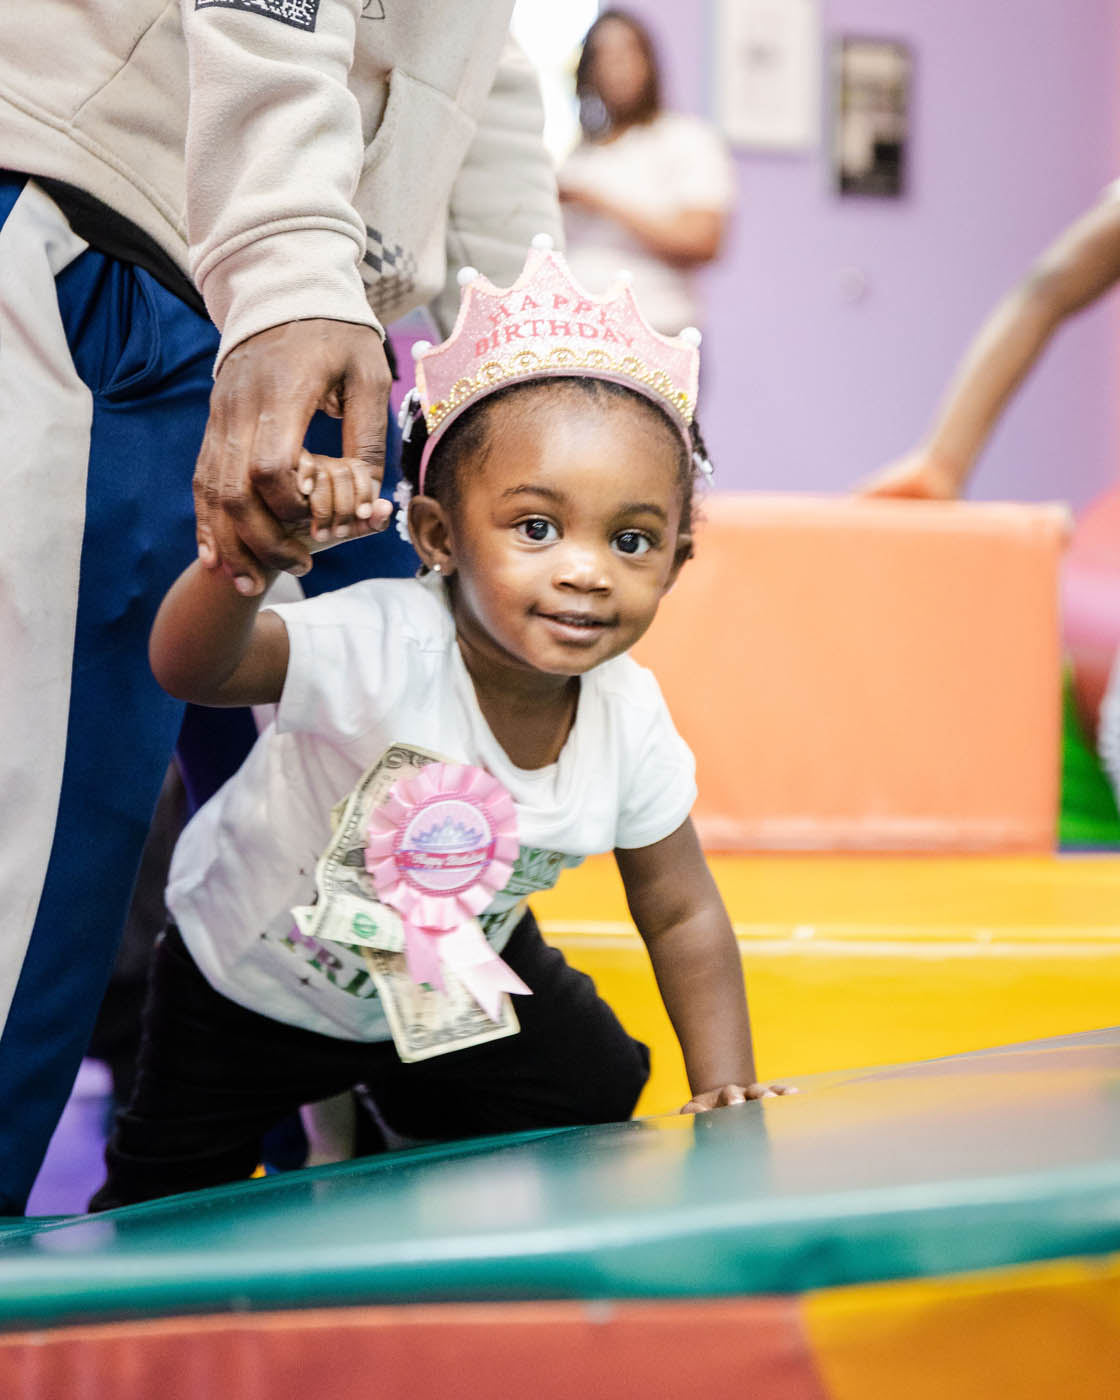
(298, 158)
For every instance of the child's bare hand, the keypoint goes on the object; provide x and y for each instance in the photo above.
(919, 476)
(341, 501)
(728, 1094)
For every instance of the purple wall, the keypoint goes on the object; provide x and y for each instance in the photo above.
(1014, 133)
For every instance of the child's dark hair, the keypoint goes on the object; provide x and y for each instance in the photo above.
(468, 438)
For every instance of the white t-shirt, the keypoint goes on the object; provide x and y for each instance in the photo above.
(671, 164)
(372, 665)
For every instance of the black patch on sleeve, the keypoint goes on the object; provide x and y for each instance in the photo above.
(300, 14)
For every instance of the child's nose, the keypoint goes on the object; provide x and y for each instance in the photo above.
(583, 567)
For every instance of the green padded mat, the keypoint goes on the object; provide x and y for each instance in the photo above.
(1088, 815)
(962, 1163)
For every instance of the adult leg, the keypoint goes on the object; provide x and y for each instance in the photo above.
(213, 1078)
(571, 1062)
(104, 388)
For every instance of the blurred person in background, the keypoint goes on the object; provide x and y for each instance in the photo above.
(645, 189)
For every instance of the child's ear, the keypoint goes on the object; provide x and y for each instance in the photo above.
(431, 534)
(681, 555)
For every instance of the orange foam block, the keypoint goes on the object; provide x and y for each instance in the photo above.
(868, 675)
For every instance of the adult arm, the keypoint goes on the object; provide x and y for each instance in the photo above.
(687, 237)
(505, 191)
(274, 150)
(1080, 266)
(681, 917)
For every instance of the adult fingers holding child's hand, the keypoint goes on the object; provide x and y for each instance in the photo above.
(231, 521)
(728, 1094)
(249, 483)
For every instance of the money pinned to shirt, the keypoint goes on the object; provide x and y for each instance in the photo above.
(424, 1022)
(347, 909)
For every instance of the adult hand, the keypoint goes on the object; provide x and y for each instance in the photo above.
(249, 489)
(920, 476)
(728, 1094)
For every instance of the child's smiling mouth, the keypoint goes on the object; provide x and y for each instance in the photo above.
(577, 626)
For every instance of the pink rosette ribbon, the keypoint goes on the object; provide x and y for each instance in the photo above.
(440, 847)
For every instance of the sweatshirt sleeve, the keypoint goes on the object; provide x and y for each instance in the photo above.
(505, 191)
(274, 151)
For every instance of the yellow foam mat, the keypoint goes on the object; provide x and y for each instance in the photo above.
(855, 961)
(1032, 1333)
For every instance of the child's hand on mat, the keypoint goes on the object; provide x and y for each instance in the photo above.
(728, 1094)
(341, 501)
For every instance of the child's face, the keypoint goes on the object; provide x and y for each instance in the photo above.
(565, 540)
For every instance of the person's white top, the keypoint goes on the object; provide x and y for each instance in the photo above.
(372, 665)
(666, 166)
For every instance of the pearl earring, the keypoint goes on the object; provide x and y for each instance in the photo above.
(436, 569)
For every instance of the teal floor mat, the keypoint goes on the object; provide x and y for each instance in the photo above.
(969, 1162)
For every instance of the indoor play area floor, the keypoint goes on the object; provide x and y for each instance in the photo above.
(946, 1183)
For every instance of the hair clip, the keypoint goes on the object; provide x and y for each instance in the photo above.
(702, 465)
(408, 413)
(402, 494)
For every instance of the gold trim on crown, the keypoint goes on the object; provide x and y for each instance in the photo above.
(526, 363)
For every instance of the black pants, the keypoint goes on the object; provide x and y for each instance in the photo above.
(214, 1077)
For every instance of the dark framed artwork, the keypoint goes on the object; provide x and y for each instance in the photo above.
(872, 81)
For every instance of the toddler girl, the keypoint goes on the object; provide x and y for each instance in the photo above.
(473, 732)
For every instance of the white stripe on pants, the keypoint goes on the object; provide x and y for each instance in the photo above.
(45, 417)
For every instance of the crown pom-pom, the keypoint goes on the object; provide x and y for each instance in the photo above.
(691, 336)
(543, 242)
(467, 275)
(421, 347)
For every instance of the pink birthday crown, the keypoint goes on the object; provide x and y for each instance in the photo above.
(544, 326)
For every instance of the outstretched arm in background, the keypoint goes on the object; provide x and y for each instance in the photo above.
(682, 920)
(1078, 268)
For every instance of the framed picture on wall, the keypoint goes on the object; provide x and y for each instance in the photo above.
(768, 73)
(871, 116)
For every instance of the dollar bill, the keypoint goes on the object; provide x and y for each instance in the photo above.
(424, 1022)
(346, 907)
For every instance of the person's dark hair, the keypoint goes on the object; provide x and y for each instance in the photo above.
(468, 437)
(594, 119)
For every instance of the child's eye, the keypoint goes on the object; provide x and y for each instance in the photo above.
(537, 530)
(632, 542)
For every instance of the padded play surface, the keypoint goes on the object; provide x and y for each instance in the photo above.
(855, 960)
(974, 1162)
